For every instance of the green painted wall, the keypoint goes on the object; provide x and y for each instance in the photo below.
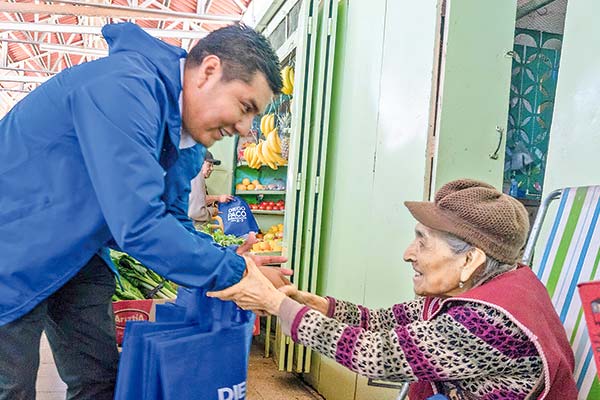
(375, 160)
(475, 89)
(575, 136)
(376, 152)
(220, 181)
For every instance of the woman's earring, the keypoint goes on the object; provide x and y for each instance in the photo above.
(461, 284)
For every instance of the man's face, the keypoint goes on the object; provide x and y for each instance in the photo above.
(207, 169)
(214, 108)
(437, 269)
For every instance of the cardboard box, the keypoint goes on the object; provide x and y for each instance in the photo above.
(134, 310)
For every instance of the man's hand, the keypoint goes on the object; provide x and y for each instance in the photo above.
(253, 292)
(277, 276)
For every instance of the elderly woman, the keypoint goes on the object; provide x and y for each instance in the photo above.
(482, 327)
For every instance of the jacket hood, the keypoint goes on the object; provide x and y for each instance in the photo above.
(130, 37)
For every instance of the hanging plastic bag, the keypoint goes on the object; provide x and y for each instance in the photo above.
(237, 217)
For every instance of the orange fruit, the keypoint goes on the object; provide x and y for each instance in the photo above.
(240, 186)
(250, 187)
(245, 181)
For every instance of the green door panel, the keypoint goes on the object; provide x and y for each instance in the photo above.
(474, 94)
(301, 110)
(400, 140)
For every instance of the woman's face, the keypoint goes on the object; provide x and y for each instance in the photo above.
(437, 268)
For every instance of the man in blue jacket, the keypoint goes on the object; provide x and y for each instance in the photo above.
(83, 160)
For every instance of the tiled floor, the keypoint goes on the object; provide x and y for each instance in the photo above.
(265, 382)
(49, 386)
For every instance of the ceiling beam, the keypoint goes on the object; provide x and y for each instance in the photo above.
(14, 90)
(4, 58)
(240, 5)
(37, 71)
(61, 47)
(79, 8)
(23, 79)
(94, 30)
(28, 51)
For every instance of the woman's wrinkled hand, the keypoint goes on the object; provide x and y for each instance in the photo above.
(254, 292)
(315, 302)
(293, 292)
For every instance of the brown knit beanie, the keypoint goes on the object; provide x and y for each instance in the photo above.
(478, 214)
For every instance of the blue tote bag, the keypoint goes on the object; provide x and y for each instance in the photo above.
(237, 217)
(133, 365)
(203, 356)
(212, 365)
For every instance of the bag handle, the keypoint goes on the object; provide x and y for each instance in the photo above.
(198, 310)
(201, 309)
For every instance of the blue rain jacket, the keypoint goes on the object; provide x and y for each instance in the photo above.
(83, 160)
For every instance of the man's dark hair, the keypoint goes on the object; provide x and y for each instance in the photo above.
(243, 52)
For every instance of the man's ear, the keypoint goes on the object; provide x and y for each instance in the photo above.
(210, 68)
(475, 259)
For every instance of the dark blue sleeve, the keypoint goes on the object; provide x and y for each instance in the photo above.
(177, 184)
(118, 125)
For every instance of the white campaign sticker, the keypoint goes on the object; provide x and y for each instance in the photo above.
(237, 392)
(237, 214)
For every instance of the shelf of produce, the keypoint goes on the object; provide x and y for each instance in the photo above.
(238, 192)
(267, 253)
(245, 164)
(268, 212)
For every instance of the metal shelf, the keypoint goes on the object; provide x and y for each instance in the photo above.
(264, 192)
(268, 212)
(245, 164)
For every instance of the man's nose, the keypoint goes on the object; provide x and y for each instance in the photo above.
(244, 125)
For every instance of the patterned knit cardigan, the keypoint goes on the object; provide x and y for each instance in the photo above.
(467, 350)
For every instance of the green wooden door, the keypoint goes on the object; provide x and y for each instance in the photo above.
(472, 104)
(298, 158)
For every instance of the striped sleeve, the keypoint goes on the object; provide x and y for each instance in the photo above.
(466, 341)
(374, 319)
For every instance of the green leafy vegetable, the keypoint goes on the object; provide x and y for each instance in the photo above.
(138, 281)
(221, 238)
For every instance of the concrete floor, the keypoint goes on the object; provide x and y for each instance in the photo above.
(265, 382)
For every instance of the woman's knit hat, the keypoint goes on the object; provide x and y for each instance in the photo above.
(480, 215)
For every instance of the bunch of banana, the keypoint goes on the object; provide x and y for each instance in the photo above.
(271, 150)
(267, 123)
(287, 75)
(265, 152)
(251, 156)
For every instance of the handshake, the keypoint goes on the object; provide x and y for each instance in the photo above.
(263, 289)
